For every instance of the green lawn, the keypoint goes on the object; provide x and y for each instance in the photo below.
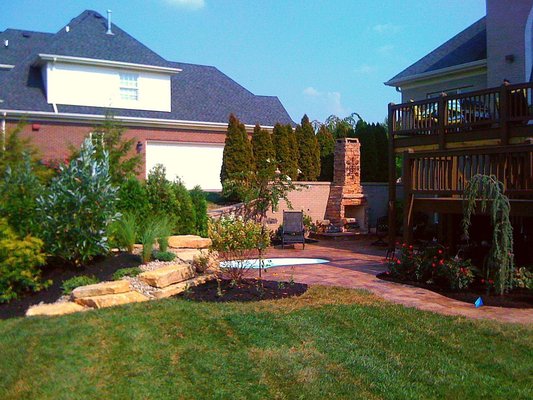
(330, 343)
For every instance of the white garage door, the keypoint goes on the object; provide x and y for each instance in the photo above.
(195, 164)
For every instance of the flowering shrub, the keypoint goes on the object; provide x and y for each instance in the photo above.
(237, 240)
(432, 266)
(457, 273)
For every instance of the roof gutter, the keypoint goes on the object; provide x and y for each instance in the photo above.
(130, 121)
(467, 67)
(106, 63)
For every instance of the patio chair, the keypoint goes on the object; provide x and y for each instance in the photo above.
(293, 228)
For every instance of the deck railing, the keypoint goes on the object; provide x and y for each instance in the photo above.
(446, 173)
(490, 109)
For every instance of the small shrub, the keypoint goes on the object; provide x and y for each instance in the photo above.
(19, 262)
(122, 272)
(236, 241)
(125, 231)
(19, 190)
(201, 263)
(82, 280)
(185, 215)
(163, 255)
(133, 198)
(199, 203)
(78, 208)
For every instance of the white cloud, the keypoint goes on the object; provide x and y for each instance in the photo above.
(364, 69)
(311, 91)
(328, 102)
(189, 4)
(385, 50)
(386, 28)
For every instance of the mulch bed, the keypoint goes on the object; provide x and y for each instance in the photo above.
(517, 298)
(246, 290)
(102, 268)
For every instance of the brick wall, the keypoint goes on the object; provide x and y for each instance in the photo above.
(312, 199)
(54, 139)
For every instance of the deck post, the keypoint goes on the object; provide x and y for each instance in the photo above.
(392, 180)
(408, 197)
(504, 115)
(442, 116)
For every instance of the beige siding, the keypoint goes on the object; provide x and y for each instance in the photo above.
(506, 24)
(421, 90)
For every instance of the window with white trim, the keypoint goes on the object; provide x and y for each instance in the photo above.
(129, 87)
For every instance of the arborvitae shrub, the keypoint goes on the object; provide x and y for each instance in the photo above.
(309, 152)
(199, 203)
(326, 143)
(237, 158)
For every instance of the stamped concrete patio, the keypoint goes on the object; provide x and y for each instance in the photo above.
(355, 264)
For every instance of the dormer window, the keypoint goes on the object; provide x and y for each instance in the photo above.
(129, 87)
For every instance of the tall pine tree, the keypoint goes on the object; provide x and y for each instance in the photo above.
(263, 151)
(237, 159)
(309, 151)
(326, 143)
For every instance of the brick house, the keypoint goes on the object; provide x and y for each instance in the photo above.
(63, 84)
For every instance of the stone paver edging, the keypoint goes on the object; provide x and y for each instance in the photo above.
(355, 264)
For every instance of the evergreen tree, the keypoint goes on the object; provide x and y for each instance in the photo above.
(263, 151)
(292, 169)
(237, 159)
(199, 203)
(309, 151)
(326, 143)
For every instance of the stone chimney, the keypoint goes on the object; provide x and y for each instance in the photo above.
(346, 199)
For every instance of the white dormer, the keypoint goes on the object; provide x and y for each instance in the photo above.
(110, 84)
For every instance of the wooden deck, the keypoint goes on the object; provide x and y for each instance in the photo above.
(447, 140)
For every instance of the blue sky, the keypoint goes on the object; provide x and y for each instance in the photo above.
(318, 57)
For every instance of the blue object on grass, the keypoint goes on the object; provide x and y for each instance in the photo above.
(479, 302)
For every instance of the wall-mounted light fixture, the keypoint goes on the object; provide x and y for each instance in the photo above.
(139, 147)
(509, 58)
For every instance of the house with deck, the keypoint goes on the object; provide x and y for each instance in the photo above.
(63, 84)
(467, 109)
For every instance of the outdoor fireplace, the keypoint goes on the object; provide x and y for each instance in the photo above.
(346, 208)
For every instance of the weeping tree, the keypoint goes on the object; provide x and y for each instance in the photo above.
(500, 265)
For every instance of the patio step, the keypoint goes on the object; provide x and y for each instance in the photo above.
(165, 276)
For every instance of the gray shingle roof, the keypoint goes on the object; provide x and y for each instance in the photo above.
(20, 43)
(465, 47)
(199, 93)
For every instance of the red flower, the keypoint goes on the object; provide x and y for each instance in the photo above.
(441, 262)
(483, 281)
(440, 251)
(491, 281)
(411, 247)
(433, 265)
(398, 262)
